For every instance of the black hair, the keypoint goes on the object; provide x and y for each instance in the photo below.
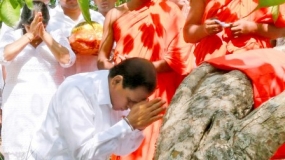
(27, 15)
(136, 72)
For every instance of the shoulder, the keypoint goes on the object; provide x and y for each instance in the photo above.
(115, 13)
(167, 11)
(82, 83)
(85, 79)
(11, 34)
(168, 6)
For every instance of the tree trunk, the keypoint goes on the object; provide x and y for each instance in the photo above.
(211, 117)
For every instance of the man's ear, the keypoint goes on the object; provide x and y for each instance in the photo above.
(118, 79)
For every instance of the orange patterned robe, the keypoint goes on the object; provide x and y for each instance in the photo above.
(154, 32)
(230, 11)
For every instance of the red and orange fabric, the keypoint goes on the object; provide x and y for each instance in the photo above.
(230, 11)
(265, 68)
(154, 31)
(224, 43)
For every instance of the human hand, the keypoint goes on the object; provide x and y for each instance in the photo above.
(35, 26)
(41, 30)
(104, 63)
(144, 113)
(242, 27)
(123, 57)
(212, 27)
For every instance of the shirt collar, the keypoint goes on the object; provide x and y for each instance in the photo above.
(59, 12)
(103, 91)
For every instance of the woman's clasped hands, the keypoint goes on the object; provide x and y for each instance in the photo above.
(36, 29)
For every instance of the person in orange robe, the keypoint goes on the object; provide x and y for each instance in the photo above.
(246, 30)
(152, 29)
(266, 70)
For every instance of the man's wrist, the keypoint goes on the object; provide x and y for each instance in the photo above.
(128, 122)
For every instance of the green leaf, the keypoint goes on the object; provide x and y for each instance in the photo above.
(275, 12)
(269, 3)
(10, 12)
(84, 7)
(52, 3)
(29, 4)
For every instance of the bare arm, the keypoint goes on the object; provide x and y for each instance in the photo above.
(194, 30)
(13, 49)
(60, 52)
(271, 31)
(250, 27)
(161, 66)
(106, 42)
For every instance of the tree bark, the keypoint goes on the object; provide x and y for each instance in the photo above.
(211, 117)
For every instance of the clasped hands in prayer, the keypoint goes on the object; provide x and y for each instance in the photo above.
(36, 30)
(146, 112)
(237, 28)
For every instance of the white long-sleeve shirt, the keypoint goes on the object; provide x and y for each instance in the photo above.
(31, 80)
(61, 21)
(81, 123)
(84, 63)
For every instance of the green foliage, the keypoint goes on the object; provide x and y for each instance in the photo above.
(268, 3)
(1, 156)
(84, 6)
(275, 6)
(29, 3)
(275, 12)
(52, 2)
(10, 11)
(95, 8)
(119, 2)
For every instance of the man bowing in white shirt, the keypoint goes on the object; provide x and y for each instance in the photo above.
(96, 114)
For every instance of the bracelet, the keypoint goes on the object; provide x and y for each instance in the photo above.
(28, 38)
(128, 122)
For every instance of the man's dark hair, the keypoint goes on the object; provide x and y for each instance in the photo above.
(137, 72)
(27, 15)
